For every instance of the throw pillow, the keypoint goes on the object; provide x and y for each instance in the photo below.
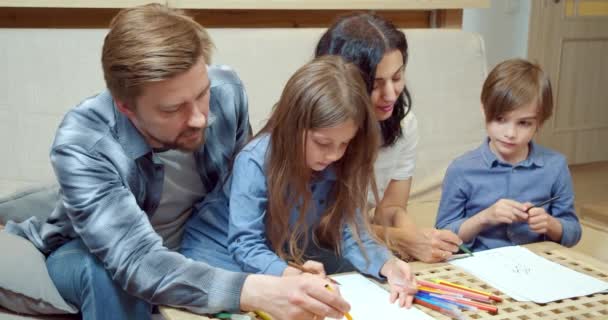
(25, 284)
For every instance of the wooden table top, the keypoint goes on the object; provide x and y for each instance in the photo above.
(588, 307)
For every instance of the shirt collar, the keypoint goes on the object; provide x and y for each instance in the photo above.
(535, 157)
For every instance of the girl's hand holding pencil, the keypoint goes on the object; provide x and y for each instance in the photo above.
(310, 266)
(401, 281)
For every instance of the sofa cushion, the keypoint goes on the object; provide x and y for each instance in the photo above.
(35, 202)
(25, 285)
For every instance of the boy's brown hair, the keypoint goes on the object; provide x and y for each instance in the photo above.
(515, 83)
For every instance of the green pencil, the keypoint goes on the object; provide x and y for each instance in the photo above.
(465, 249)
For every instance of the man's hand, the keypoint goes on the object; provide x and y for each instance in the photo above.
(296, 297)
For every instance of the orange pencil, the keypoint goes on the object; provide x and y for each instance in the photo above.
(439, 309)
(490, 295)
(465, 293)
(438, 291)
(479, 305)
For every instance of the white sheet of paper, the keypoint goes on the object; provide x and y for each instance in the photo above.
(368, 301)
(526, 276)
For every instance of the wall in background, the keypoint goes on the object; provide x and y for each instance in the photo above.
(503, 26)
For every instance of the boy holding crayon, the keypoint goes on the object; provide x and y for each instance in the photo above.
(489, 193)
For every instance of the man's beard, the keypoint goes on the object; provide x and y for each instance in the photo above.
(185, 147)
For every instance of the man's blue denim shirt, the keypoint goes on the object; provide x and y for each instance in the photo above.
(111, 183)
(476, 180)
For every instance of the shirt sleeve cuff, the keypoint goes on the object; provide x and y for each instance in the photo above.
(276, 268)
(571, 232)
(224, 292)
(377, 261)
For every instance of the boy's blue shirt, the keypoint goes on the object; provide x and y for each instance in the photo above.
(477, 179)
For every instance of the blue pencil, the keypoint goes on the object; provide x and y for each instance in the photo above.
(443, 308)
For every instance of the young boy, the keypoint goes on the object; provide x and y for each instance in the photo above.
(488, 193)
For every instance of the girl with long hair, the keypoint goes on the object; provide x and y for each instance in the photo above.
(302, 183)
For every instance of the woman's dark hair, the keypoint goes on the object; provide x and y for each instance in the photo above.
(364, 39)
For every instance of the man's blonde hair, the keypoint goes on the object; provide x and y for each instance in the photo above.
(150, 43)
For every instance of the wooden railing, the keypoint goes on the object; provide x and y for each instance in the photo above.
(237, 13)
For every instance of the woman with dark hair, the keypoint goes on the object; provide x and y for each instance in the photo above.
(380, 51)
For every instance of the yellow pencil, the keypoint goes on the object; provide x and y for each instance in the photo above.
(263, 315)
(347, 315)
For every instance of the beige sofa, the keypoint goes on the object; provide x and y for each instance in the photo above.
(51, 70)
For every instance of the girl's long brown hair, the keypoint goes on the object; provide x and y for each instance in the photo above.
(322, 94)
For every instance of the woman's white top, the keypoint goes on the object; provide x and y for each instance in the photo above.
(398, 161)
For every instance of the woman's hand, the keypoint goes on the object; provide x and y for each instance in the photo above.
(431, 245)
(401, 281)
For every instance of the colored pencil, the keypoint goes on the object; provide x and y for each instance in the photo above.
(465, 249)
(346, 315)
(470, 304)
(454, 300)
(542, 203)
(490, 295)
(465, 293)
(263, 315)
(433, 306)
(479, 305)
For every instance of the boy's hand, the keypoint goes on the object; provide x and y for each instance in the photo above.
(401, 281)
(542, 222)
(539, 220)
(506, 211)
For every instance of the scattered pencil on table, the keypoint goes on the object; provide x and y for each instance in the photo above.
(490, 295)
(449, 298)
(346, 315)
(438, 306)
(538, 205)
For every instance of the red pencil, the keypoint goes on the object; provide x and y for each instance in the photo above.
(434, 307)
(481, 306)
